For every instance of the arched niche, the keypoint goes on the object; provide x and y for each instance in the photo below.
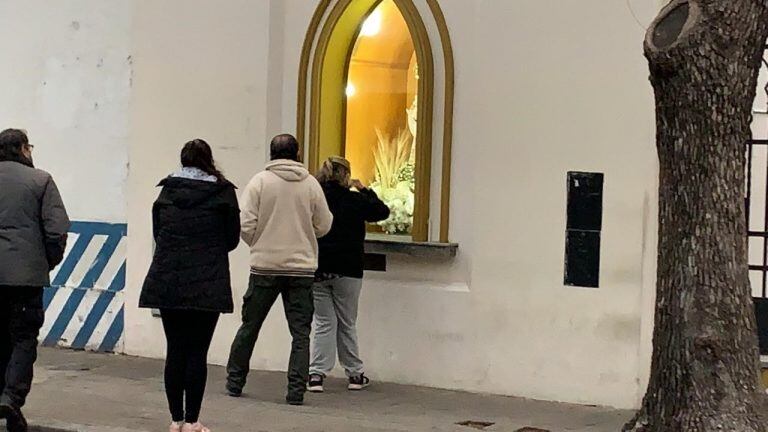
(322, 101)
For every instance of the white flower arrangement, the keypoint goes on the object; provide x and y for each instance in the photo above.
(394, 182)
(400, 202)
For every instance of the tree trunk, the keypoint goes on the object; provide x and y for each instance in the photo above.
(704, 58)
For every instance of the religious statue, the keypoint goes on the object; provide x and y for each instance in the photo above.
(412, 113)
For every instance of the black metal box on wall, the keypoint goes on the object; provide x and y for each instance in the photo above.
(583, 229)
(375, 262)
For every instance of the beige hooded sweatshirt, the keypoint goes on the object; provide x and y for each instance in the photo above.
(283, 212)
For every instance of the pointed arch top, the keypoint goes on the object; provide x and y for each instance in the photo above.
(323, 21)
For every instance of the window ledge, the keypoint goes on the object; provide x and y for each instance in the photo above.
(410, 248)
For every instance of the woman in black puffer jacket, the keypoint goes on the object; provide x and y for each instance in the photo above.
(196, 223)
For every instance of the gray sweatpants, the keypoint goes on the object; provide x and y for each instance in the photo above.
(335, 326)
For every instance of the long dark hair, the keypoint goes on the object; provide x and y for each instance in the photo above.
(197, 154)
(12, 142)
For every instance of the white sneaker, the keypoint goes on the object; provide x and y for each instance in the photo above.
(176, 427)
(358, 383)
(315, 384)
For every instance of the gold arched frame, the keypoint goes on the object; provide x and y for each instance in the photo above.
(445, 189)
(422, 44)
(327, 94)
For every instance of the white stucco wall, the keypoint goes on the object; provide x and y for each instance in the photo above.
(66, 79)
(542, 88)
(200, 71)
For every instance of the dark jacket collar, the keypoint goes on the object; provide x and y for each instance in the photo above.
(187, 193)
(333, 187)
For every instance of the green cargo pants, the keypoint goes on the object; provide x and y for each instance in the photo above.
(299, 308)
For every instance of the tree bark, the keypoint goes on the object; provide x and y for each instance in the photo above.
(704, 58)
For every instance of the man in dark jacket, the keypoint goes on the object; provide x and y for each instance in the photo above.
(33, 232)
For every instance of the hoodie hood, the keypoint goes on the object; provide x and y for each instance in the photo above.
(288, 170)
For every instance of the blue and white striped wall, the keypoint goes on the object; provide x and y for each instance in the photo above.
(84, 306)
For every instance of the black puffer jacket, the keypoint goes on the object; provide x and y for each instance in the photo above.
(342, 249)
(196, 224)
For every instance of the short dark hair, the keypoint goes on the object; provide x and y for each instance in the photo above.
(197, 154)
(12, 142)
(284, 146)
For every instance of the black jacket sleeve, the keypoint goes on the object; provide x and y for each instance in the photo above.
(232, 219)
(155, 220)
(374, 209)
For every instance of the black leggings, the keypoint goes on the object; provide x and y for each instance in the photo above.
(188, 334)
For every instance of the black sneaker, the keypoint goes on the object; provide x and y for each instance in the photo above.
(358, 383)
(315, 384)
(295, 400)
(15, 421)
(234, 391)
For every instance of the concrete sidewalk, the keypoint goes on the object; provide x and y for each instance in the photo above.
(77, 391)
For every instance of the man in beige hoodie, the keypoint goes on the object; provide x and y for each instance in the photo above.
(283, 212)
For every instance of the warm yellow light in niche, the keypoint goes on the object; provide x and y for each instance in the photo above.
(351, 90)
(381, 118)
(372, 24)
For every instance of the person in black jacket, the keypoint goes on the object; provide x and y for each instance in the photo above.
(339, 276)
(196, 223)
(33, 235)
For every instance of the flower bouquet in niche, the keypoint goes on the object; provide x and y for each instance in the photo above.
(394, 182)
